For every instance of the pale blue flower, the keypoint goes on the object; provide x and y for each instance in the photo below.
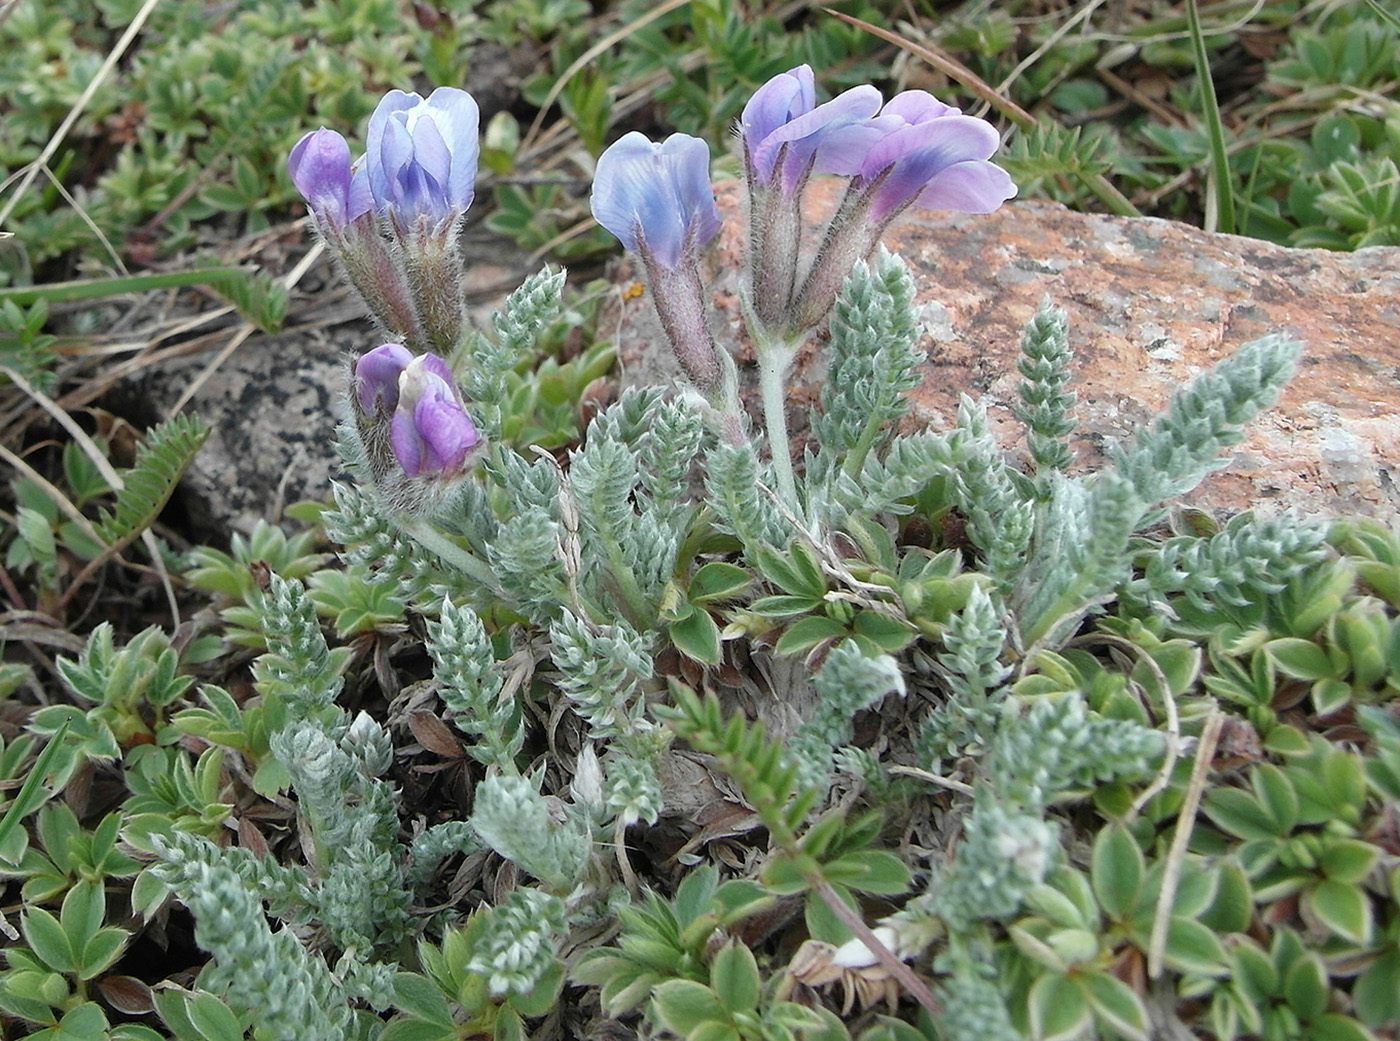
(421, 155)
(656, 198)
(788, 135)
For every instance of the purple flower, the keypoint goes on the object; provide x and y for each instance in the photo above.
(782, 124)
(320, 167)
(429, 430)
(927, 154)
(655, 198)
(421, 155)
(931, 155)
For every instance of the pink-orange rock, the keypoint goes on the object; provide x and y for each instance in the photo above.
(1150, 303)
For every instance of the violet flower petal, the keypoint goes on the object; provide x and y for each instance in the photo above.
(377, 377)
(909, 159)
(458, 118)
(806, 136)
(393, 102)
(421, 156)
(972, 187)
(778, 102)
(430, 431)
(917, 106)
(447, 432)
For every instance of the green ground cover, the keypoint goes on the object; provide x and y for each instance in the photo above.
(1145, 774)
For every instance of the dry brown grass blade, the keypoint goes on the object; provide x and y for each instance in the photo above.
(950, 67)
(1185, 823)
(242, 333)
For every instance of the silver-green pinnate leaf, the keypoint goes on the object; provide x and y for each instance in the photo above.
(1045, 404)
(1207, 415)
(515, 820)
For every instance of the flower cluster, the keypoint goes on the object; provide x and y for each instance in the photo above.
(392, 217)
(412, 404)
(419, 162)
(656, 198)
(911, 150)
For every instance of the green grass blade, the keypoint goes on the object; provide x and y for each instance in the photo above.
(1220, 199)
(94, 288)
(1390, 19)
(26, 801)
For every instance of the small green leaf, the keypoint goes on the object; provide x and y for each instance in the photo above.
(1059, 1008)
(1343, 777)
(46, 936)
(822, 923)
(785, 874)
(782, 606)
(734, 977)
(1329, 696)
(1348, 860)
(869, 871)
(795, 572)
(1305, 987)
(509, 1025)
(1233, 906)
(717, 580)
(213, 1019)
(715, 1031)
(1286, 740)
(101, 951)
(87, 1022)
(806, 633)
(1276, 795)
(419, 996)
(1116, 1005)
(1375, 995)
(1116, 871)
(32, 994)
(134, 1032)
(1063, 909)
(1191, 947)
(1333, 1026)
(1341, 907)
(1254, 970)
(1301, 659)
(1029, 936)
(697, 637)
(543, 995)
(684, 1005)
(1180, 662)
(1237, 812)
(888, 633)
(84, 907)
